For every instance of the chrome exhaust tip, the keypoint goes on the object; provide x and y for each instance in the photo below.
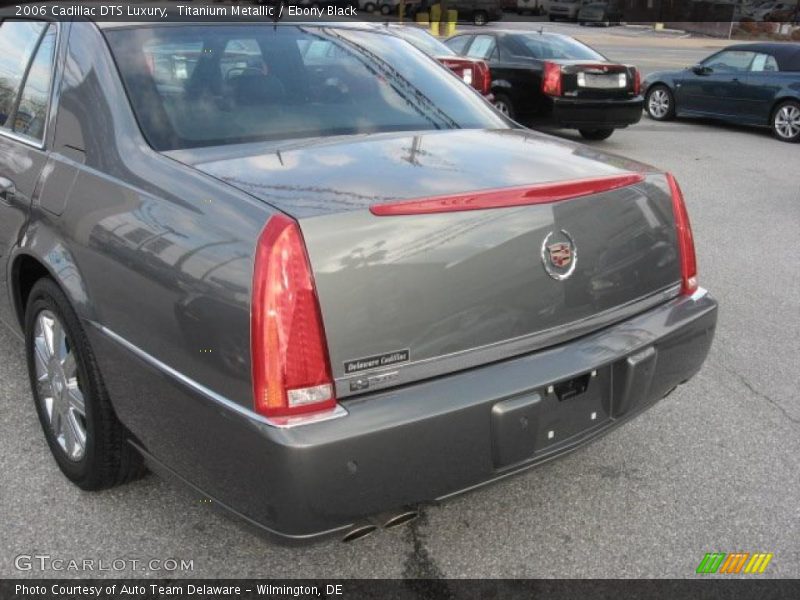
(400, 518)
(358, 532)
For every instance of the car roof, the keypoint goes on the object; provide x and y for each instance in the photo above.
(357, 25)
(787, 54)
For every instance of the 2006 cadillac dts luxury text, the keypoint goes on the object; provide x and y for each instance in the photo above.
(311, 273)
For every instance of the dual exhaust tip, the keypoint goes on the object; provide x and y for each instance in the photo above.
(384, 521)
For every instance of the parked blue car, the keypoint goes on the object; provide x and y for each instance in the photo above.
(751, 84)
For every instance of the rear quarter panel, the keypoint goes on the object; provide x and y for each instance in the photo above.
(767, 89)
(162, 253)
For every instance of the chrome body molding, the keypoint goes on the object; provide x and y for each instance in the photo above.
(281, 422)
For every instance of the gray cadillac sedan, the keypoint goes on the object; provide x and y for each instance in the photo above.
(313, 275)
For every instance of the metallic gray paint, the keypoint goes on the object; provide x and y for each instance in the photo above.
(155, 253)
(318, 177)
(459, 288)
(398, 447)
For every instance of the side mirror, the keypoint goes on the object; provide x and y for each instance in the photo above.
(701, 70)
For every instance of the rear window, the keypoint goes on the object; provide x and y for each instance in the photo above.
(544, 47)
(223, 84)
(422, 40)
(18, 41)
(31, 112)
(459, 43)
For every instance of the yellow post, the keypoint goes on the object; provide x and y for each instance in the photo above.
(436, 16)
(401, 10)
(452, 17)
(422, 18)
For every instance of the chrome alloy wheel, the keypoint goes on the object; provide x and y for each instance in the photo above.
(787, 121)
(57, 385)
(658, 103)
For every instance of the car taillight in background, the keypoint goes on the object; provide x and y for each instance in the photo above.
(482, 77)
(685, 238)
(474, 72)
(551, 79)
(291, 368)
(637, 81)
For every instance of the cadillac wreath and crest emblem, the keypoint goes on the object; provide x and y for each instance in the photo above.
(559, 255)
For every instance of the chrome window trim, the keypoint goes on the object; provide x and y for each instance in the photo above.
(278, 423)
(24, 139)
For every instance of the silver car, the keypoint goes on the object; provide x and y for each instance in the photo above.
(311, 275)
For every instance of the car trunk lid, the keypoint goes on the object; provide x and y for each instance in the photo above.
(417, 293)
(594, 80)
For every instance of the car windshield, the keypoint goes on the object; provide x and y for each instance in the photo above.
(422, 40)
(544, 47)
(210, 85)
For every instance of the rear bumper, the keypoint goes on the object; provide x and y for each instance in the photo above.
(567, 112)
(410, 445)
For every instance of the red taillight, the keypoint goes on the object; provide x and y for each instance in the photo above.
(483, 78)
(685, 239)
(551, 79)
(637, 81)
(474, 72)
(291, 370)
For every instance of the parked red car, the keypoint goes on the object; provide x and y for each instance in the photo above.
(473, 71)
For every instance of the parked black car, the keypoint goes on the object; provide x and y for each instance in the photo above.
(551, 79)
(751, 84)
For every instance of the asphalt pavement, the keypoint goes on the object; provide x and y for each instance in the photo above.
(713, 468)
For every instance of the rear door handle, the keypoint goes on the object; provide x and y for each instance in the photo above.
(7, 188)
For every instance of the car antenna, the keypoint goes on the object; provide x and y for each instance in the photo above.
(277, 17)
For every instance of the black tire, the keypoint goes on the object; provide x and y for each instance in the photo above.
(480, 17)
(552, 19)
(596, 134)
(369, 7)
(107, 459)
(504, 105)
(785, 121)
(665, 93)
(386, 9)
